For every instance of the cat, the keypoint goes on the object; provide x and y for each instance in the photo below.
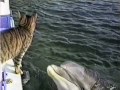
(15, 42)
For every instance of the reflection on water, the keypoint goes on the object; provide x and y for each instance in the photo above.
(87, 32)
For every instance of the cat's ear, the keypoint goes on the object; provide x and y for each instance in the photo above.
(35, 16)
(19, 14)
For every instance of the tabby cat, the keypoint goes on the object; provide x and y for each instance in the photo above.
(15, 42)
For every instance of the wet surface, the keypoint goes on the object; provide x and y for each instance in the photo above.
(87, 32)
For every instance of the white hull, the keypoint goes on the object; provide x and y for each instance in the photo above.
(9, 68)
(4, 8)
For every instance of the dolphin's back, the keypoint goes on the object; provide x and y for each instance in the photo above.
(89, 79)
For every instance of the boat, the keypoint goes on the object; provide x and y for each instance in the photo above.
(9, 80)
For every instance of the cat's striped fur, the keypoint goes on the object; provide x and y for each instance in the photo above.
(15, 42)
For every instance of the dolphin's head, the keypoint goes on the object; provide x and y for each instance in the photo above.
(62, 78)
(72, 76)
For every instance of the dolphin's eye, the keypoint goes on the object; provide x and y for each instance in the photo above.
(82, 89)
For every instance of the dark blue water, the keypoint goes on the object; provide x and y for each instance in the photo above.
(85, 31)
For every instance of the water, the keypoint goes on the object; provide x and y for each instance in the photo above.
(87, 32)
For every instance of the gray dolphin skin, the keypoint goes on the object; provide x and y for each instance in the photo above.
(72, 76)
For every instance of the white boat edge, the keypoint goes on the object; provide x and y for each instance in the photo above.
(9, 68)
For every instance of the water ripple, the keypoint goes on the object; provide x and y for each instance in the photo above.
(85, 31)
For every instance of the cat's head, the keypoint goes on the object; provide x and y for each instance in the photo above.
(27, 21)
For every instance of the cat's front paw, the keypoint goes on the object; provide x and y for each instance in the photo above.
(18, 70)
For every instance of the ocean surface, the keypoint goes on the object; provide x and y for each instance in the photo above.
(84, 31)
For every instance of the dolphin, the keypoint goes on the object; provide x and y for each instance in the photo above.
(72, 76)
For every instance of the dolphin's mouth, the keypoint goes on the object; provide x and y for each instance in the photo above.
(59, 73)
